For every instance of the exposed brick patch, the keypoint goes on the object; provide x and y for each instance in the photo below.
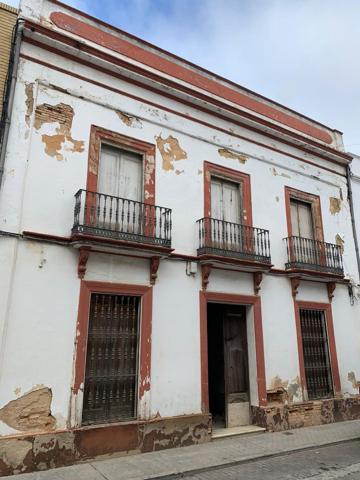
(279, 417)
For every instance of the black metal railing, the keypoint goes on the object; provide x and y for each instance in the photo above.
(121, 219)
(229, 239)
(314, 255)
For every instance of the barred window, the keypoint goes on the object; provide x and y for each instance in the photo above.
(316, 354)
(111, 375)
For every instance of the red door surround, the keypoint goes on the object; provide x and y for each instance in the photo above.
(255, 302)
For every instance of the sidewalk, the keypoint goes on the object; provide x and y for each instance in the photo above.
(222, 452)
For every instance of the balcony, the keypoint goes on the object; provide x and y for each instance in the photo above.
(115, 220)
(305, 254)
(230, 242)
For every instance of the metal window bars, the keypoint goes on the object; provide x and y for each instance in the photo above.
(316, 354)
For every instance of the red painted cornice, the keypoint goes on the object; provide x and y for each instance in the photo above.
(184, 74)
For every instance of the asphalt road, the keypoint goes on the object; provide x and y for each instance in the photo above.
(340, 461)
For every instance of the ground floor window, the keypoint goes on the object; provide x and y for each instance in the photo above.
(111, 375)
(316, 354)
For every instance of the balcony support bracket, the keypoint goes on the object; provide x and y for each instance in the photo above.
(82, 263)
(330, 290)
(295, 284)
(258, 277)
(205, 273)
(154, 266)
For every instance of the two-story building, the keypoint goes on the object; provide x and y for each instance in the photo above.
(176, 253)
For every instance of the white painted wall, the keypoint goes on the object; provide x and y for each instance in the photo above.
(39, 284)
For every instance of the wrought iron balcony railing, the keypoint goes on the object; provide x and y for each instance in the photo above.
(121, 219)
(305, 253)
(221, 238)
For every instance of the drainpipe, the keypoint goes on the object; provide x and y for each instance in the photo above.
(9, 92)
(352, 214)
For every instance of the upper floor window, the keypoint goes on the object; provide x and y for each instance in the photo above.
(226, 200)
(303, 212)
(302, 224)
(120, 173)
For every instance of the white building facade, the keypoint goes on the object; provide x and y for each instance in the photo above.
(177, 253)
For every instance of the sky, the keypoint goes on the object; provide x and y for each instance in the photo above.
(304, 54)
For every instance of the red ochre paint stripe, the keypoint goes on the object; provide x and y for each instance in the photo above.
(116, 44)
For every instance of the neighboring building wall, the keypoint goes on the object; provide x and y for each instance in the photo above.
(47, 163)
(8, 17)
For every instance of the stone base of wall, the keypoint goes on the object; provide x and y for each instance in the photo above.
(278, 417)
(30, 452)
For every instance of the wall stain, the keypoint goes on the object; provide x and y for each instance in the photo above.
(129, 120)
(63, 115)
(179, 172)
(15, 455)
(335, 205)
(170, 151)
(277, 198)
(29, 92)
(283, 391)
(241, 157)
(29, 412)
(339, 241)
(277, 174)
(352, 378)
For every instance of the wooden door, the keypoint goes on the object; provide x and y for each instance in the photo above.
(236, 371)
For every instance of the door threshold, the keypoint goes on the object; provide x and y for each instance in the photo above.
(230, 432)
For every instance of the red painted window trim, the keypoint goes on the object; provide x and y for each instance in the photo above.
(86, 289)
(212, 169)
(315, 202)
(147, 150)
(326, 307)
(255, 302)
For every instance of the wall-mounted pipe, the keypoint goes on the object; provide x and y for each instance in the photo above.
(9, 92)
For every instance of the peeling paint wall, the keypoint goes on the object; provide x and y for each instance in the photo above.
(335, 205)
(170, 151)
(30, 412)
(240, 157)
(51, 450)
(278, 418)
(57, 144)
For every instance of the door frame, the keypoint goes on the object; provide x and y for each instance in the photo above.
(244, 300)
(82, 327)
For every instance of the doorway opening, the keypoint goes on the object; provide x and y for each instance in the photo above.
(228, 365)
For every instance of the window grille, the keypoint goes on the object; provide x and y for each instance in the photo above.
(111, 359)
(316, 354)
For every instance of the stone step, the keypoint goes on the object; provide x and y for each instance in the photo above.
(230, 432)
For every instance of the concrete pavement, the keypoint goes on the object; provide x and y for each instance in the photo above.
(196, 459)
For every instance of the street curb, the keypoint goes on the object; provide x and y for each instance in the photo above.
(250, 459)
